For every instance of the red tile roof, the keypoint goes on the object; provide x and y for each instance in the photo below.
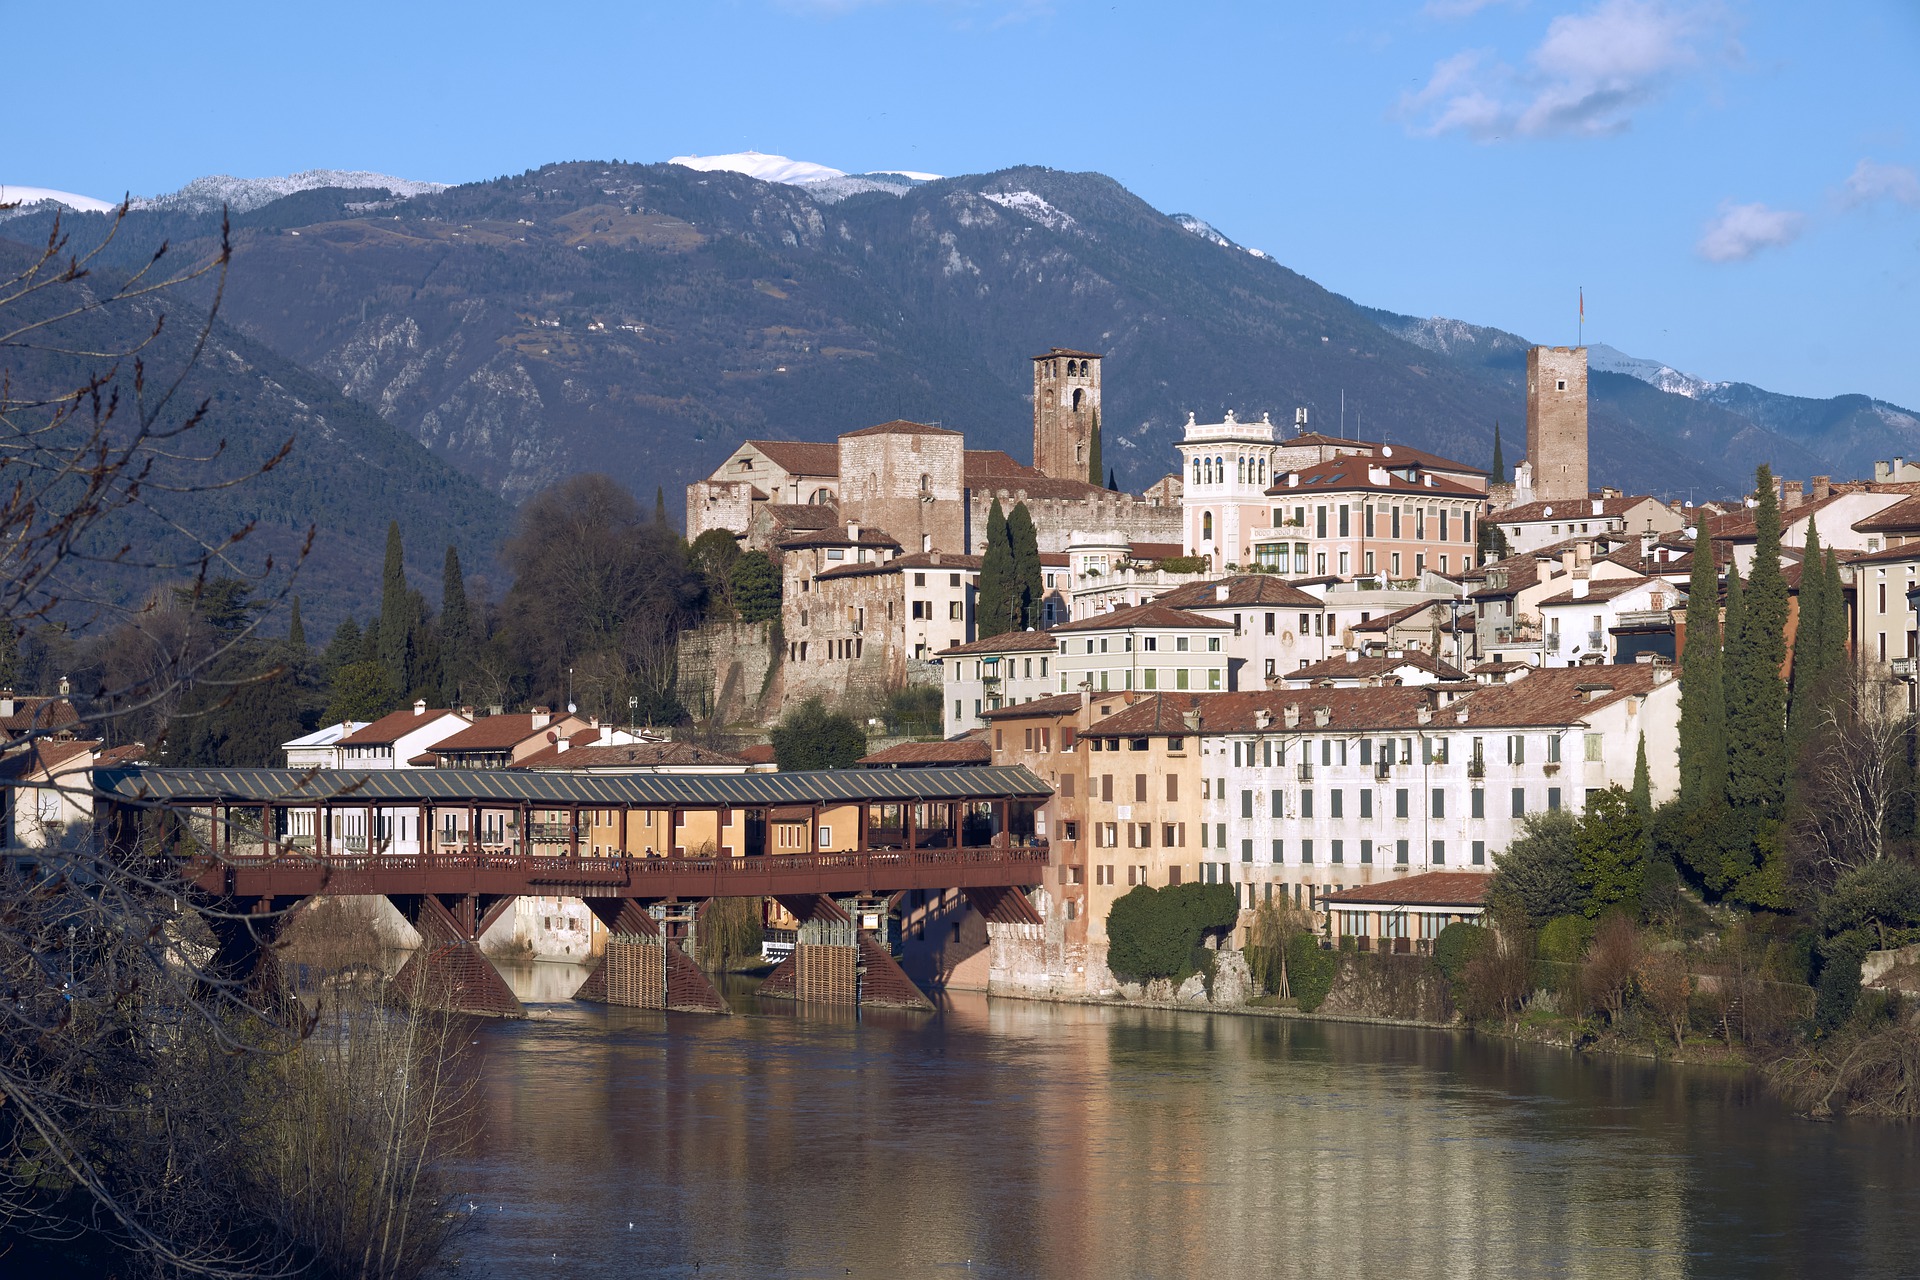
(1009, 642)
(965, 751)
(1365, 667)
(393, 726)
(1565, 509)
(1060, 704)
(1151, 614)
(1345, 474)
(1246, 590)
(1429, 889)
(1165, 714)
(802, 457)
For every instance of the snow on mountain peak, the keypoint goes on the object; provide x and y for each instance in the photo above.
(758, 164)
(1612, 360)
(1031, 206)
(24, 196)
(243, 195)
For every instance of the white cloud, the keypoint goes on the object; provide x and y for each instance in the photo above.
(1870, 182)
(1742, 230)
(1586, 77)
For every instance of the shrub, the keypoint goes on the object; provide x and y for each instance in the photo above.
(812, 737)
(1152, 933)
(1310, 971)
(1458, 943)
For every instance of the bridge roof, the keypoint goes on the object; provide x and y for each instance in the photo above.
(301, 787)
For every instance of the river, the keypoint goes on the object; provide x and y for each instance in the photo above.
(1008, 1138)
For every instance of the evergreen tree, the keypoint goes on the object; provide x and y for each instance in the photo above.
(456, 629)
(1094, 467)
(296, 630)
(755, 586)
(1703, 708)
(1756, 652)
(1499, 457)
(396, 613)
(1023, 542)
(993, 609)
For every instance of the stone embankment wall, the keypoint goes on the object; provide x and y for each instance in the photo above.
(724, 670)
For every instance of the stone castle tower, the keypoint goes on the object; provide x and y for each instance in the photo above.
(1557, 421)
(1066, 401)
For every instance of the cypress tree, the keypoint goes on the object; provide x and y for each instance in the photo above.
(1703, 708)
(1819, 639)
(296, 630)
(1756, 651)
(1499, 458)
(396, 612)
(992, 609)
(1023, 542)
(455, 628)
(1094, 468)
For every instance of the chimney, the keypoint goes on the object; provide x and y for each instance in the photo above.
(1822, 488)
(1791, 494)
(419, 705)
(1290, 715)
(542, 717)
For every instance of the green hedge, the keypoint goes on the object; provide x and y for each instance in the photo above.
(1154, 933)
(1310, 971)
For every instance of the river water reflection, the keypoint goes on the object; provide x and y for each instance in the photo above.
(1019, 1139)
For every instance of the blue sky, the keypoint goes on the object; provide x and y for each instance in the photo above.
(1737, 185)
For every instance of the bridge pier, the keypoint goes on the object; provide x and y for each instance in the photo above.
(642, 969)
(834, 961)
(449, 971)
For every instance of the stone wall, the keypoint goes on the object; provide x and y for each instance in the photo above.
(724, 670)
(1056, 519)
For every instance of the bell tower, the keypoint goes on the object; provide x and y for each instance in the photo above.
(1066, 404)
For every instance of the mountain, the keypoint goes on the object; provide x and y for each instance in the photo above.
(642, 319)
(349, 473)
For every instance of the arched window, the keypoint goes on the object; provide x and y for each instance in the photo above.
(1206, 526)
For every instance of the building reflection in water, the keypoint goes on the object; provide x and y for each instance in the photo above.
(1053, 1140)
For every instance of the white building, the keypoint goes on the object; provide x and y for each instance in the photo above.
(1317, 789)
(1000, 671)
(1226, 467)
(1147, 647)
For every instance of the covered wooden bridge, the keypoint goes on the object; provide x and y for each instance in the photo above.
(453, 849)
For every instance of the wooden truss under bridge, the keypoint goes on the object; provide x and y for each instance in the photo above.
(453, 850)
